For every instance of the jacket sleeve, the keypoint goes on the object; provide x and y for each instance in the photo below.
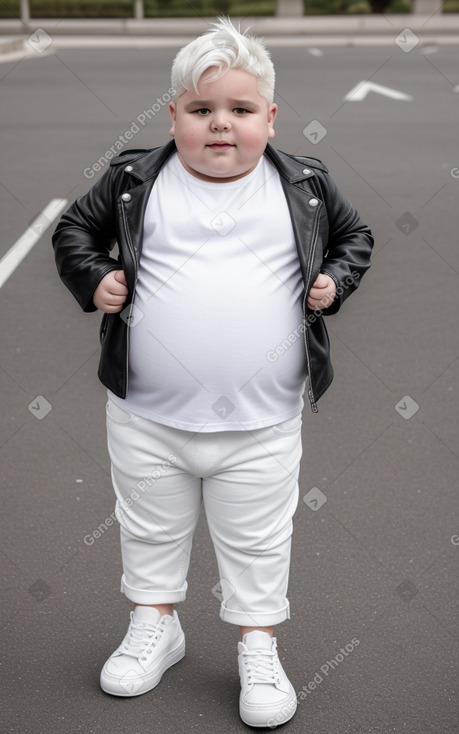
(350, 243)
(83, 240)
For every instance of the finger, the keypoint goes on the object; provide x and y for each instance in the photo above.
(113, 305)
(120, 277)
(115, 300)
(112, 309)
(117, 289)
(320, 303)
(318, 293)
(321, 281)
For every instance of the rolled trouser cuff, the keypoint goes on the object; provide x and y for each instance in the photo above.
(245, 618)
(157, 596)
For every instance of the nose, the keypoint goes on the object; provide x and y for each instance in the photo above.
(220, 122)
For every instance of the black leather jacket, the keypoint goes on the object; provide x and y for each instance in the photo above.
(329, 234)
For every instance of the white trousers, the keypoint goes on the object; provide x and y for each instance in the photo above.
(248, 483)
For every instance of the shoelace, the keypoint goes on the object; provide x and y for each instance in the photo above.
(139, 637)
(261, 666)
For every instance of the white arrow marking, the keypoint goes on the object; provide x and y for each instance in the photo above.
(361, 90)
(24, 244)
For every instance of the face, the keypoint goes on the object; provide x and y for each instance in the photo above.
(221, 132)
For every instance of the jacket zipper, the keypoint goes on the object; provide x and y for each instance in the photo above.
(312, 400)
(131, 305)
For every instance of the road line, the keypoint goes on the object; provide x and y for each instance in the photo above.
(24, 244)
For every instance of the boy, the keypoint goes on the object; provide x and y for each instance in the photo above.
(228, 248)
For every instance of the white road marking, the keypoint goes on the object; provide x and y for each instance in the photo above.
(361, 90)
(428, 50)
(24, 244)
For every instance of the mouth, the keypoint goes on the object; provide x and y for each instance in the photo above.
(220, 145)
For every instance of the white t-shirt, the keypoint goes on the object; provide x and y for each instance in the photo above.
(219, 289)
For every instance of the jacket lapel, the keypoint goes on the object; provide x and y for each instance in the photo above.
(307, 211)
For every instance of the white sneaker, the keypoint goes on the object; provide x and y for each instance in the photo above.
(152, 644)
(267, 696)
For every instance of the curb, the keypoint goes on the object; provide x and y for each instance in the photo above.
(264, 26)
(305, 30)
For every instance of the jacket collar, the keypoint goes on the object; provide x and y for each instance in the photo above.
(293, 168)
(145, 164)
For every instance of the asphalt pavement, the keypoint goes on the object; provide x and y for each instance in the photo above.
(372, 646)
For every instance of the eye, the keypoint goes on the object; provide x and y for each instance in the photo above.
(202, 111)
(240, 111)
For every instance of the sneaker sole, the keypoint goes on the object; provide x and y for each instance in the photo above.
(114, 687)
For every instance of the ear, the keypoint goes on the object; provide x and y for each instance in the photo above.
(272, 112)
(173, 114)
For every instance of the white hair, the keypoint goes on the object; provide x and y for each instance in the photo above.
(225, 48)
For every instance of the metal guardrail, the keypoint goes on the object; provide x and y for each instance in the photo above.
(24, 10)
(284, 8)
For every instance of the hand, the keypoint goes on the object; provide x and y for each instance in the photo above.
(322, 293)
(111, 292)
